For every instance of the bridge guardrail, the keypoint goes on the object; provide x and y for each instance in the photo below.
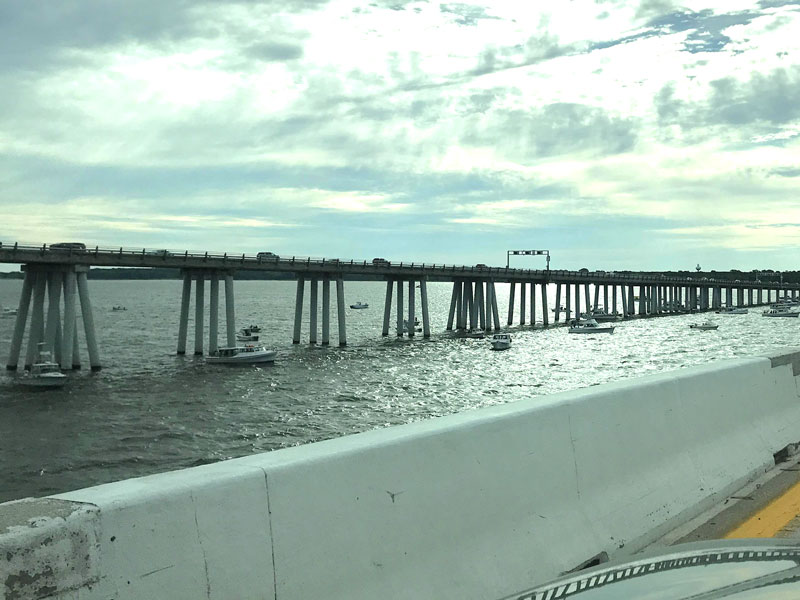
(370, 266)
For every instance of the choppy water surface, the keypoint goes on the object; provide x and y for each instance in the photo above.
(149, 410)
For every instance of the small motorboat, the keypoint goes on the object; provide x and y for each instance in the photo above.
(8, 312)
(705, 326)
(500, 341)
(44, 372)
(780, 311)
(360, 304)
(477, 334)
(600, 315)
(416, 327)
(118, 308)
(589, 326)
(254, 328)
(732, 310)
(242, 355)
(246, 335)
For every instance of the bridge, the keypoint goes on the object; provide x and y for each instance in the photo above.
(56, 270)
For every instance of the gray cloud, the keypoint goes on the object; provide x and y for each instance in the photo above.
(274, 51)
(554, 130)
(467, 14)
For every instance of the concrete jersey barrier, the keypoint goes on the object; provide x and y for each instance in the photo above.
(476, 505)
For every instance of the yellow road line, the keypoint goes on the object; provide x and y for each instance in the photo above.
(768, 521)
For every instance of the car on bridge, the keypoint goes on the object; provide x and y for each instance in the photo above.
(163, 253)
(267, 256)
(68, 246)
(380, 261)
(481, 266)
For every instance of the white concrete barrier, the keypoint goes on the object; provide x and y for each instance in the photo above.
(474, 505)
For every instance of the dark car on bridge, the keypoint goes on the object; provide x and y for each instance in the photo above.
(68, 246)
(267, 256)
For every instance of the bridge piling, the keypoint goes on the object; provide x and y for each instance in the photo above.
(586, 297)
(340, 310)
(387, 306)
(533, 303)
(400, 308)
(522, 302)
(54, 285)
(213, 315)
(20, 321)
(36, 333)
(298, 309)
(511, 303)
(326, 312)
(495, 312)
(230, 311)
(411, 302)
(557, 316)
(423, 296)
(470, 313)
(452, 312)
(88, 322)
(68, 339)
(199, 307)
(312, 311)
(545, 315)
(183, 324)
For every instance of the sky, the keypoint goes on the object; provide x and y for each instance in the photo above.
(617, 134)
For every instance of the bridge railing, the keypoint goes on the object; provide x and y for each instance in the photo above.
(368, 265)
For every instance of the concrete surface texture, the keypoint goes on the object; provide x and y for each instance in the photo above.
(469, 506)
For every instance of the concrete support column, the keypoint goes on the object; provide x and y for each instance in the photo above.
(452, 313)
(750, 296)
(76, 355)
(480, 300)
(400, 308)
(605, 299)
(613, 299)
(213, 314)
(464, 306)
(298, 310)
(642, 300)
(340, 309)
(586, 297)
(533, 304)
(567, 305)
(411, 307)
(68, 337)
(55, 282)
(20, 321)
(326, 312)
(558, 303)
(460, 305)
(199, 309)
(596, 298)
(495, 312)
(488, 301)
(88, 321)
(230, 312)
(522, 302)
(472, 306)
(760, 297)
(423, 297)
(577, 300)
(312, 311)
(545, 315)
(511, 303)
(387, 307)
(36, 333)
(623, 293)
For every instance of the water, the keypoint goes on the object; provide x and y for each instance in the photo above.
(149, 410)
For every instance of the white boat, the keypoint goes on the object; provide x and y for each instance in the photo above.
(8, 312)
(780, 311)
(600, 315)
(705, 326)
(242, 355)
(246, 335)
(501, 341)
(589, 326)
(732, 310)
(477, 334)
(44, 372)
(360, 304)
